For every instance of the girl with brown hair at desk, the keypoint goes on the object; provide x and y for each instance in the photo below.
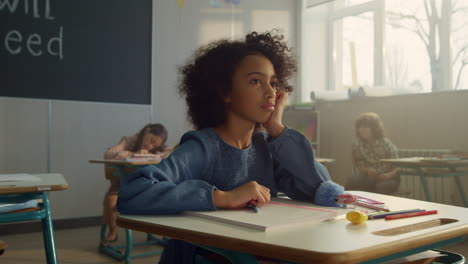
(150, 140)
(370, 147)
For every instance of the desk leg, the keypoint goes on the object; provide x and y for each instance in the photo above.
(129, 246)
(422, 177)
(128, 233)
(48, 232)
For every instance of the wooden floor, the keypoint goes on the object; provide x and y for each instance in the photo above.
(81, 246)
(73, 246)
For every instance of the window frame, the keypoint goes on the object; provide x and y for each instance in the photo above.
(377, 7)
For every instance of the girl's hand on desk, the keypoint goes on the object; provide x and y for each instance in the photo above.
(121, 155)
(346, 198)
(251, 192)
(142, 151)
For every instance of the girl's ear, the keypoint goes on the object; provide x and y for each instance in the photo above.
(227, 98)
(225, 94)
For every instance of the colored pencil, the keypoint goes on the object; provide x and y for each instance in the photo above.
(253, 207)
(383, 215)
(399, 216)
(370, 206)
(402, 211)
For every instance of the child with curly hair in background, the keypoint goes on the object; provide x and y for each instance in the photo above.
(370, 147)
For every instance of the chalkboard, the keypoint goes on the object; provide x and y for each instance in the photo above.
(83, 50)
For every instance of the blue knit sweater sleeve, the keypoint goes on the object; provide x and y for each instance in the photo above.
(172, 186)
(298, 174)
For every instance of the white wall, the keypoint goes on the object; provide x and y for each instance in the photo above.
(81, 131)
(25, 135)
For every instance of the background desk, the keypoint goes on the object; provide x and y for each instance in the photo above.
(122, 165)
(424, 167)
(14, 192)
(116, 251)
(327, 242)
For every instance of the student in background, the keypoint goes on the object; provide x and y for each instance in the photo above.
(370, 147)
(150, 140)
(229, 87)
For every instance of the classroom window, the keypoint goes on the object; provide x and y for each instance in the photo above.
(386, 47)
(353, 41)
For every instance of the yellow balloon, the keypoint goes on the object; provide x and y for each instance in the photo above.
(356, 217)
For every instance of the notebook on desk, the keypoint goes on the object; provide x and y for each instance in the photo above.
(278, 213)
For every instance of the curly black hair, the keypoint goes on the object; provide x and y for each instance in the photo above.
(207, 78)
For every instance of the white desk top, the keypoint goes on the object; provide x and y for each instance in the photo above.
(334, 242)
(48, 182)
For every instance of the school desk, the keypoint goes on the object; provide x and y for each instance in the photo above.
(336, 242)
(124, 252)
(20, 191)
(433, 167)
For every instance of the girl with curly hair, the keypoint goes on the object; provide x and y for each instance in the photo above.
(231, 87)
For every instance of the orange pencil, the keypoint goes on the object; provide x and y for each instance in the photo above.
(398, 216)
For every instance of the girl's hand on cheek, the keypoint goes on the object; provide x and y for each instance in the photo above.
(250, 192)
(274, 125)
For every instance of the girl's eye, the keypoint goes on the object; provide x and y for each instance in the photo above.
(275, 85)
(255, 81)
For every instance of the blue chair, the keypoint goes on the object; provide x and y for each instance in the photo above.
(42, 212)
(450, 258)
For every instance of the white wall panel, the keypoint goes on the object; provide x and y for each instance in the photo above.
(82, 131)
(25, 133)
